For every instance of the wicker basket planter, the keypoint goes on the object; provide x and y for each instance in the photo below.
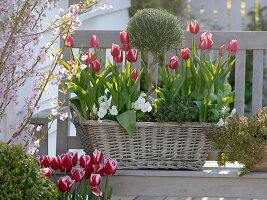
(154, 145)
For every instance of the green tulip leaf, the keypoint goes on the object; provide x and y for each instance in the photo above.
(201, 107)
(128, 121)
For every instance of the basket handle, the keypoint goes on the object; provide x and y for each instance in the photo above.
(75, 114)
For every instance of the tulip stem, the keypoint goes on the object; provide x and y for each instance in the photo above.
(106, 186)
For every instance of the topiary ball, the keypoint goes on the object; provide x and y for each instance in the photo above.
(155, 30)
(21, 177)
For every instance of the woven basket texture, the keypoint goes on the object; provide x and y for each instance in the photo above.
(154, 145)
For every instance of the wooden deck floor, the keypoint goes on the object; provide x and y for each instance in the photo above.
(212, 183)
(175, 198)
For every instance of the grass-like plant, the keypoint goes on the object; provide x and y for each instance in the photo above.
(155, 30)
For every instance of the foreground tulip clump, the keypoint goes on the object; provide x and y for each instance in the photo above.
(83, 182)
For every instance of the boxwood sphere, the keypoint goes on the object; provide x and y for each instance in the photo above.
(155, 30)
(21, 177)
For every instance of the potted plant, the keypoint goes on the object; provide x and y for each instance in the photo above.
(112, 115)
(243, 139)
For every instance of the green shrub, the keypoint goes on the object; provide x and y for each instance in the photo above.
(155, 30)
(21, 177)
(180, 109)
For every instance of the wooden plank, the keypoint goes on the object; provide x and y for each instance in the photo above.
(74, 142)
(246, 42)
(257, 83)
(179, 198)
(149, 198)
(106, 38)
(123, 197)
(240, 67)
(211, 182)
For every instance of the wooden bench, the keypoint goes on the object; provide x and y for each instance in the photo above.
(212, 181)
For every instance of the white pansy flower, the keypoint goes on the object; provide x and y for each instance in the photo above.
(146, 107)
(83, 66)
(94, 109)
(101, 112)
(54, 111)
(220, 123)
(102, 99)
(104, 105)
(113, 110)
(139, 103)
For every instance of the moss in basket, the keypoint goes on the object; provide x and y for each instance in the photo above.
(180, 109)
(155, 30)
(242, 139)
(21, 177)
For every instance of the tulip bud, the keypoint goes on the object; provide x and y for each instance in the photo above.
(126, 47)
(54, 163)
(77, 174)
(205, 41)
(47, 172)
(132, 55)
(173, 64)
(69, 42)
(222, 50)
(94, 42)
(134, 75)
(194, 27)
(185, 53)
(119, 58)
(73, 158)
(233, 46)
(64, 183)
(203, 44)
(44, 161)
(110, 166)
(115, 50)
(96, 157)
(84, 161)
(124, 37)
(95, 180)
(96, 65)
(96, 192)
(65, 160)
